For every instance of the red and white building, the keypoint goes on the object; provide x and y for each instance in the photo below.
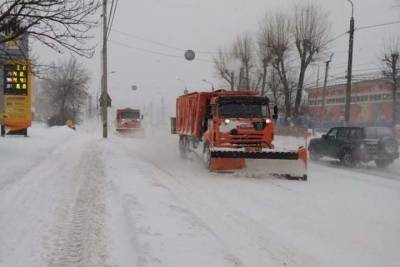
(371, 103)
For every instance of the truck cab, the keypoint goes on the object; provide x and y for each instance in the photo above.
(129, 120)
(239, 122)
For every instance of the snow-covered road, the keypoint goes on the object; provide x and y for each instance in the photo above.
(71, 199)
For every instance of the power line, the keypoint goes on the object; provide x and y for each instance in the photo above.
(336, 38)
(340, 74)
(144, 50)
(133, 36)
(363, 28)
(155, 52)
(213, 53)
(147, 40)
(373, 74)
(113, 10)
(336, 65)
(377, 25)
(368, 69)
(110, 13)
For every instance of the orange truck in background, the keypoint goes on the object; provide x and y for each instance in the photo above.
(230, 127)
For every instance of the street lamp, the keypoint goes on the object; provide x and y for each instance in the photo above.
(352, 8)
(349, 66)
(184, 84)
(322, 114)
(210, 83)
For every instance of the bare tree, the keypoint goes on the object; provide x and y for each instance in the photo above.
(264, 57)
(58, 24)
(224, 64)
(275, 86)
(258, 80)
(66, 89)
(275, 35)
(243, 48)
(311, 32)
(391, 70)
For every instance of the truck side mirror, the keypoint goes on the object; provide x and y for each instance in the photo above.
(275, 116)
(141, 117)
(173, 125)
(209, 114)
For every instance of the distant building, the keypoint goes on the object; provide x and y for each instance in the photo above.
(371, 104)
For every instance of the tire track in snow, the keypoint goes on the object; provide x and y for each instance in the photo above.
(371, 176)
(79, 236)
(249, 235)
(142, 236)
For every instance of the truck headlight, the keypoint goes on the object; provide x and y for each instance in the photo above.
(268, 121)
(227, 121)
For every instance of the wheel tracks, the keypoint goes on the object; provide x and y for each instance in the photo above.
(238, 225)
(78, 237)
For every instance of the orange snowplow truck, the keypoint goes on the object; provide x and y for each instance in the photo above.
(229, 128)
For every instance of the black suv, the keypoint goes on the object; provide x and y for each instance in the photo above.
(352, 145)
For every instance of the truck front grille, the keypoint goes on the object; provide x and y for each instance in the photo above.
(247, 139)
(372, 149)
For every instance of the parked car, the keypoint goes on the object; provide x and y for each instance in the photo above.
(352, 145)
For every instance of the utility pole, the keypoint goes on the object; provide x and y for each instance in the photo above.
(317, 83)
(104, 91)
(349, 66)
(322, 113)
(395, 59)
(162, 110)
(210, 83)
(151, 114)
(90, 102)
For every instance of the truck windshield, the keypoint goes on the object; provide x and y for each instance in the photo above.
(244, 110)
(130, 115)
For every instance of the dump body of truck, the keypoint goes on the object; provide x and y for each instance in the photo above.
(227, 127)
(191, 110)
(129, 120)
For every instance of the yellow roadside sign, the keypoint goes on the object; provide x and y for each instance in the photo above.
(17, 95)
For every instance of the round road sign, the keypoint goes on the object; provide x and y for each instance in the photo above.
(190, 55)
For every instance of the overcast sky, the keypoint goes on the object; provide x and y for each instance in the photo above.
(205, 25)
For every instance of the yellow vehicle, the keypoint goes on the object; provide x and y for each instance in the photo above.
(70, 124)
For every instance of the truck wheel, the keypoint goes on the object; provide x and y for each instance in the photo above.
(383, 163)
(304, 178)
(347, 159)
(207, 156)
(183, 146)
(389, 146)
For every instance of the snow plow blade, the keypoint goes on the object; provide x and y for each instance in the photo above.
(289, 164)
